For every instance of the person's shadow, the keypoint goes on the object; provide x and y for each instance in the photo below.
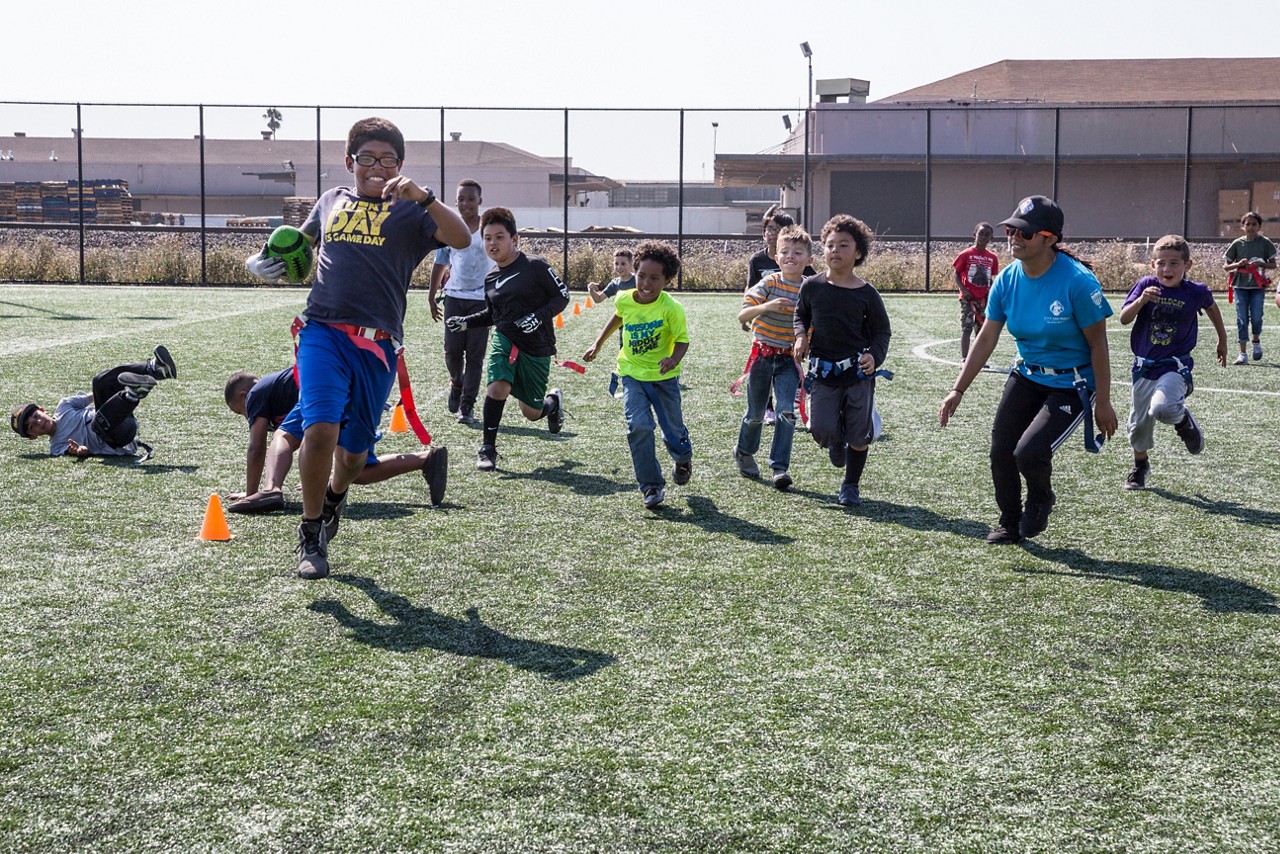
(1234, 509)
(704, 513)
(1217, 593)
(564, 475)
(416, 628)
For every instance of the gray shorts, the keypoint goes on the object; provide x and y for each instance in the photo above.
(1162, 399)
(842, 414)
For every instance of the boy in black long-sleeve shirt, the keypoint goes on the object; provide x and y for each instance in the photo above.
(842, 325)
(522, 296)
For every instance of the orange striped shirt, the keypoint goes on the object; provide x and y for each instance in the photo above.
(773, 327)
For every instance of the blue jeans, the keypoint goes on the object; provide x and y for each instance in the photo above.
(779, 374)
(641, 401)
(1249, 303)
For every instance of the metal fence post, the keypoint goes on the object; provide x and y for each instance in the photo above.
(928, 195)
(80, 181)
(204, 226)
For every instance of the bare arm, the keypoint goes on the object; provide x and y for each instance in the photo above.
(669, 364)
(450, 229)
(614, 324)
(1215, 317)
(1104, 415)
(779, 304)
(256, 456)
(1129, 313)
(437, 277)
(983, 346)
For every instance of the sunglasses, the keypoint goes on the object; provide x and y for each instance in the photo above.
(1011, 230)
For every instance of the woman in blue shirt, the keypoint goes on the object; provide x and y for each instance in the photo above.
(1056, 312)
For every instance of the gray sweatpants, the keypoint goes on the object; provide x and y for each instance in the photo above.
(1162, 399)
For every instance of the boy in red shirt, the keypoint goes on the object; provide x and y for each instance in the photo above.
(976, 269)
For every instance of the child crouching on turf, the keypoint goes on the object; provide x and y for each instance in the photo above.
(1164, 310)
(769, 306)
(842, 325)
(654, 342)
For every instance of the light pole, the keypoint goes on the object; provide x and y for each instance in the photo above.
(808, 54)
(715, 135)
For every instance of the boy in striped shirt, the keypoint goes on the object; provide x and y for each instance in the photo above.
(769, 306)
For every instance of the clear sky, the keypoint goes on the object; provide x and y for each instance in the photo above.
(711, 58)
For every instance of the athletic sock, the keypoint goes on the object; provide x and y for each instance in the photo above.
(855, 462)
(548, 406)
(331, 498)
(491, 418)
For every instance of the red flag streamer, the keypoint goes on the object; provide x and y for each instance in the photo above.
(573, 366)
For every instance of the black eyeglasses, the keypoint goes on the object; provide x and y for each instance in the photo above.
(1011, 230)
(368, 160)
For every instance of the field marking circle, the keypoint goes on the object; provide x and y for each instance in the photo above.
(921, 351)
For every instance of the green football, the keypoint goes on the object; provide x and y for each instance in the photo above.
(292, 245)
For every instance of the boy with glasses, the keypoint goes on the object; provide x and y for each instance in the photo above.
(371, 238)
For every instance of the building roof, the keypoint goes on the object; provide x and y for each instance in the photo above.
(235, 152)
(1106, 81)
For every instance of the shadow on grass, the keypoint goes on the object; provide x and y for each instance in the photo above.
(563, 475)
(53, 315)
(417, 628)
(704, 513)
(525, 428)
(148, 467)
(1234, 509)
(1217, 593)
(358, 509)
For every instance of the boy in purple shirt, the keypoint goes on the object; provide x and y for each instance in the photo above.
(1164, 309)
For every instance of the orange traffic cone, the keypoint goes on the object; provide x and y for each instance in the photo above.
(559, 321)
(215, 521)
(399, 424)
(590, 304)
(577, 308)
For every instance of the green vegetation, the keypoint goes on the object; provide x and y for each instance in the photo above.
(542, 665)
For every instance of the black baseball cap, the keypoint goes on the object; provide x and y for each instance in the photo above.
(18, 420)
(1037, 213)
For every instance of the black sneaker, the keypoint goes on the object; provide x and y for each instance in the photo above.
(837, 455)
(139, 384)
(1137, 478)
(161, 364)
(781, 480)
(455, 398)
(1035, 517)
(1190, 433)
(313, 551)
(849, 496)
(331, 515)
(466, 416)
(435, 471)
(653, 497)
(487, 459)
(682, 472)
(555, 418)
(1002, 536)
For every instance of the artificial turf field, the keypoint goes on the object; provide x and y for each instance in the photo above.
(541, 664)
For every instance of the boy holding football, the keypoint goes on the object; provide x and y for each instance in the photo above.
(371, 237)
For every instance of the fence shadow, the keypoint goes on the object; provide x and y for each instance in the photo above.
(1217, 593)
(417, 627)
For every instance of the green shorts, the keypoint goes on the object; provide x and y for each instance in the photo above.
(528, 375)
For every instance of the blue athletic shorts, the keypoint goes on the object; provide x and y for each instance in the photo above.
(338, 383)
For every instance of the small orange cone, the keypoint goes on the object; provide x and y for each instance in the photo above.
(399, 424)
(577, 308)
(559, 321)
(215, 522)
(590, 304)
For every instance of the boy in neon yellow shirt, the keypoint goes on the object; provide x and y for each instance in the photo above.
(654, 341)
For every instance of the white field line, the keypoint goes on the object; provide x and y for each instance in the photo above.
(921, 351)
(20, 347)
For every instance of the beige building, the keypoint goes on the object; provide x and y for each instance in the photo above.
(253, 177)
(1130, 148)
